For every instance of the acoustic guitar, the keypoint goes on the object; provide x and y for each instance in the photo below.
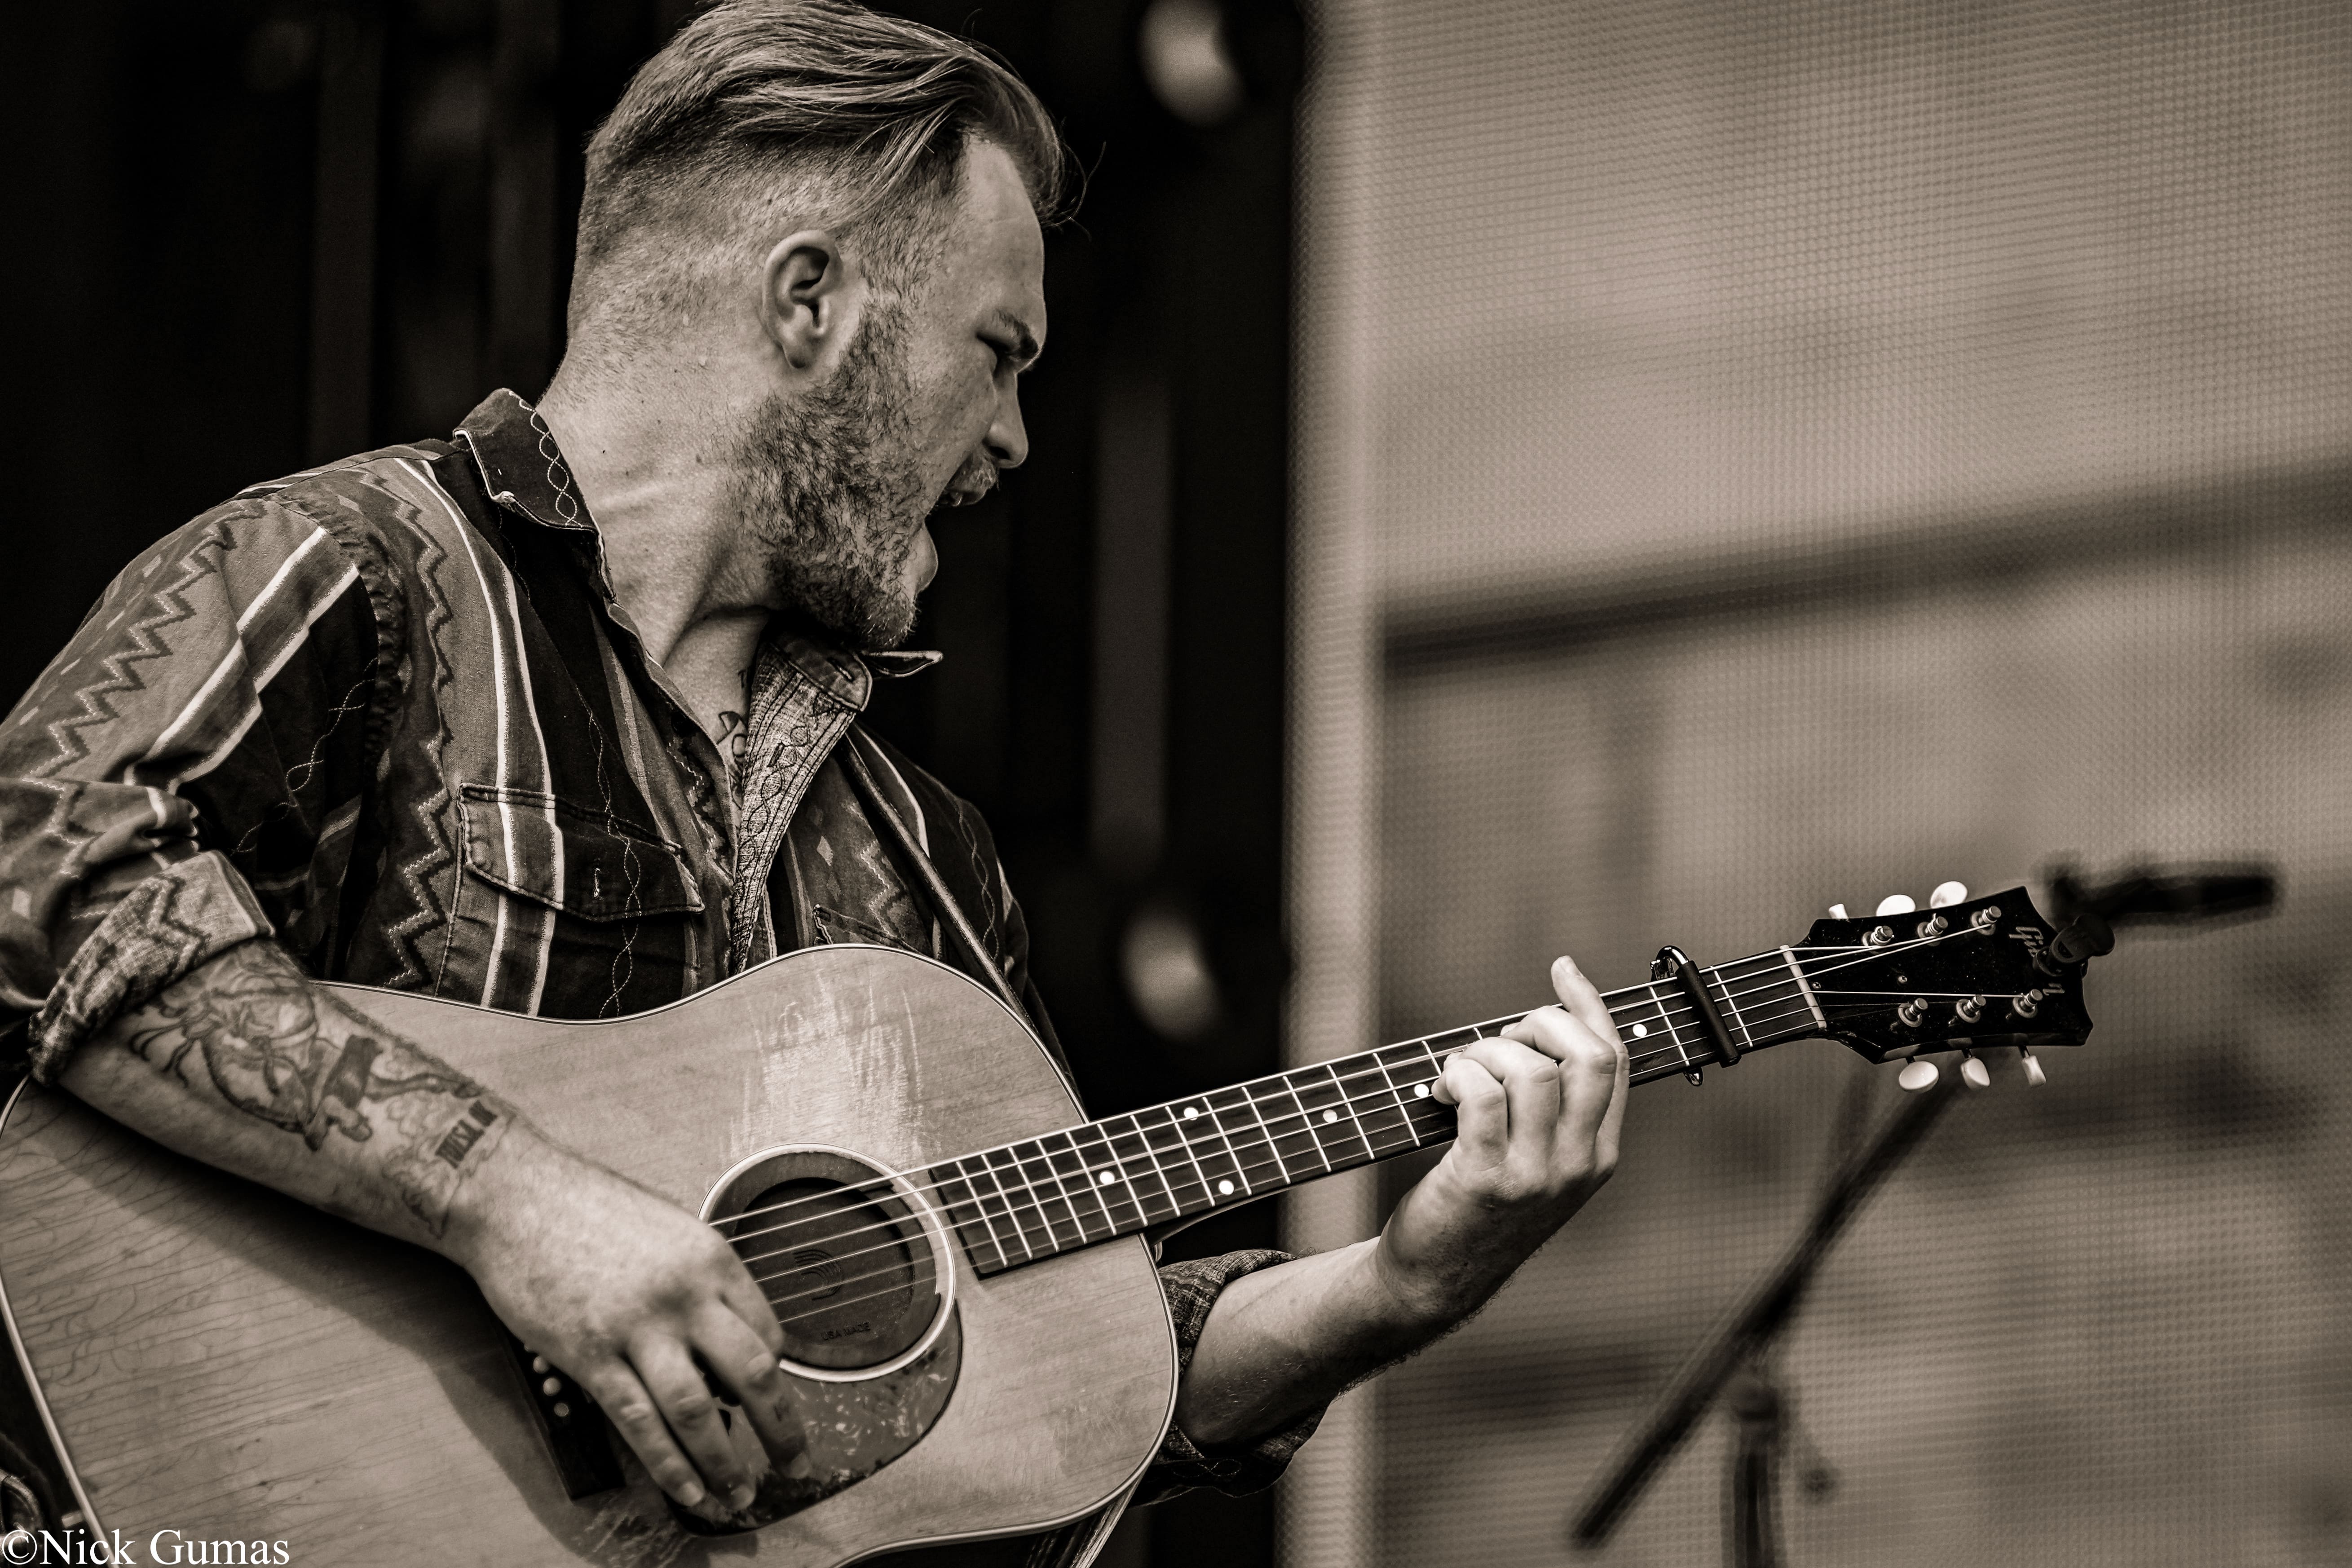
(975, 1332)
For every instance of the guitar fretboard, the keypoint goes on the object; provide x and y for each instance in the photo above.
(1029, 1201)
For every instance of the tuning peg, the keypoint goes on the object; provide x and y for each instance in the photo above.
(1837, 912)
(1947, 894)
(1974, 1073)
(1917, 1075)
(1897, 904)
(2035, 1076)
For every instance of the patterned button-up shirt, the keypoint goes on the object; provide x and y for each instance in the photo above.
(389, 714)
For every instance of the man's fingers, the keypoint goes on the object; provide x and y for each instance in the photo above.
(741, 1293)
(748, 1370)
(624, 1397)
(1515, 1126)
(1482, 1123)
(1581, 996)
(691, 1413)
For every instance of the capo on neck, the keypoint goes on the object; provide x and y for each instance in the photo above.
(1674, 963)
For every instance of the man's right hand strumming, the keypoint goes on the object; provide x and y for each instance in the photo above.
(245, 1065)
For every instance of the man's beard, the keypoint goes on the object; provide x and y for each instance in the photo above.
(829, 487)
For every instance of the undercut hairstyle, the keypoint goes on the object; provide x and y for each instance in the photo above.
(761, 116)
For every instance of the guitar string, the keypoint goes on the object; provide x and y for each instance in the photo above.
(1129, 1186)
(1667, 1005)
(1762, 962)
(1377, 1154)
(1043, 1194)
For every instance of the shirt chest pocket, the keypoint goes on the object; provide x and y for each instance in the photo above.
(589, 865)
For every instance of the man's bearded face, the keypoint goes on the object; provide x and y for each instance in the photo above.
(830, 486)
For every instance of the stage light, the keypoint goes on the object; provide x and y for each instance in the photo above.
(1187, 63)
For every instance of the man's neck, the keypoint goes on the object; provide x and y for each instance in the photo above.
(670, 539)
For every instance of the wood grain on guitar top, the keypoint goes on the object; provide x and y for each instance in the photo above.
(230, 1364)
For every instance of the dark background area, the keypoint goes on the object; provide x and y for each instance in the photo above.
(251, 237)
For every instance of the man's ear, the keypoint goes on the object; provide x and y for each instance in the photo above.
(810, 294)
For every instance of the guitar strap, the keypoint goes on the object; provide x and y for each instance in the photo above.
(934, 886)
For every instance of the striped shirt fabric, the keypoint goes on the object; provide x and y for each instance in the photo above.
(389, 714)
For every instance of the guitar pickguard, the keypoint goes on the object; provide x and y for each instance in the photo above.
(853, 1430)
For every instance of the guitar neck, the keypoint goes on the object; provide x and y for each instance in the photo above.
(1026, 1202)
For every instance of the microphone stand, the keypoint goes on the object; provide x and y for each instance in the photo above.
(1741, 1343)
(2086, 919)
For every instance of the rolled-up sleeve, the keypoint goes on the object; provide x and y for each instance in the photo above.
(1192, 1289)
(166, 784)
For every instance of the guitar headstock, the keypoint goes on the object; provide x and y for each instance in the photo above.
(1973, 974)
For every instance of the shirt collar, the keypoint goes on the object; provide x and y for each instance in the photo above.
(520, 466)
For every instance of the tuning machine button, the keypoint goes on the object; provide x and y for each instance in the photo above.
(2035, 1076)
(1917, 1075)
(1947, 894)
(1974, 1073)
(1837, 912)
(1897, 904)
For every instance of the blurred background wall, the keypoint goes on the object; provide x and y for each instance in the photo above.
(1754, 458)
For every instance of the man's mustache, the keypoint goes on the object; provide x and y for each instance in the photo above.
(971, 483)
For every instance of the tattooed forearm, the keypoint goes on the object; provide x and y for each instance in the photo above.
(250, 1028)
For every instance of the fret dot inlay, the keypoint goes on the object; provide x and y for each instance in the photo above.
(1420, 1091)
(1641, 1031)
(1191, 1113)
(1227, 1188)
(1331, 1116)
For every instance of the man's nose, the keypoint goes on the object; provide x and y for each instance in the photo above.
(1008, 437)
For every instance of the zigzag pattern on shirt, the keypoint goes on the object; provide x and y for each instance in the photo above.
(417, 876)
(145, 642)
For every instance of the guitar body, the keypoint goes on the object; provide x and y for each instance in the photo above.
(220, 1361)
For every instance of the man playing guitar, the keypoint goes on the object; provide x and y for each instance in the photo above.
(558, 717)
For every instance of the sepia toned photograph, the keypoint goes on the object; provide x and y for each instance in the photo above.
(1256, 784)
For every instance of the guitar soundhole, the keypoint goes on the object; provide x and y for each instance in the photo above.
(851, 1271)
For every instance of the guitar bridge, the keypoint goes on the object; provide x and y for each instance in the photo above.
(570, 1422)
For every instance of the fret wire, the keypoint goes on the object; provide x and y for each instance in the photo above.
(1087, 1180)
(1232, 1157)
(1403, 1113)
(1135, 1119)
(1290, 1085)
(1036, 1206)
(1326, 1097)
(1279, 1163)
(1029, 1254)
(1184, 1140)
(1094, 1174)
(1130, 1182)
(1025, 1165)
(1362, 1134)
(1003, 1257)
(1069, 1204)
(1733, 1002)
